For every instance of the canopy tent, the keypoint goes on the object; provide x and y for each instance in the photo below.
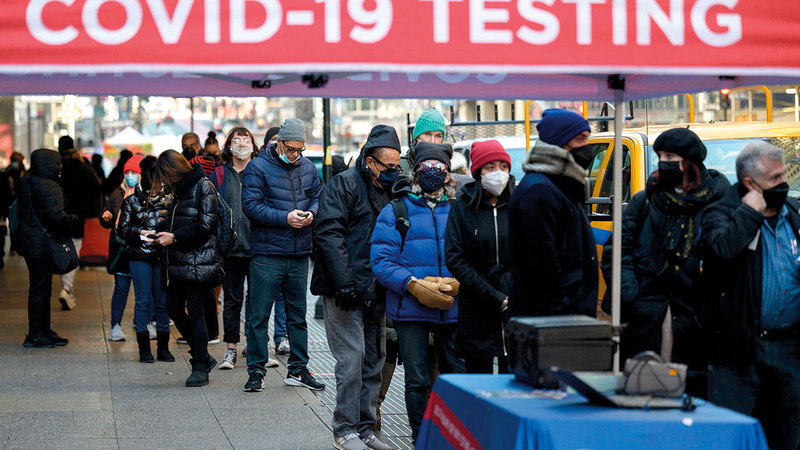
(495, 49)
(128, 136)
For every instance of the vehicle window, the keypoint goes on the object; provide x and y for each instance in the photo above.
(517, 159)
(599, 150)
(607, 188)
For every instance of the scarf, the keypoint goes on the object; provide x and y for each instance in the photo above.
(552, 160)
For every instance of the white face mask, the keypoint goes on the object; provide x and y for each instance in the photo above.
(241, 151)
(495, 182)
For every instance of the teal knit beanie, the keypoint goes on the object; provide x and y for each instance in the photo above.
(430, 120)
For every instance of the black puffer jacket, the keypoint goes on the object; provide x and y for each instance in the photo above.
(40, 190)
(476, 252)
(348, 209)
(653, 279)
(194, 258)
(143, 212)
(113, 205)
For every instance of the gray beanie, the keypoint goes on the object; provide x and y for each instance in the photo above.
(292, 129)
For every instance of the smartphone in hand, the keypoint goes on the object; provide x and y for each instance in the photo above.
(303, 214)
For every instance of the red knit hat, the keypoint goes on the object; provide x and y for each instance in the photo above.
(484, 152)
(132, 165)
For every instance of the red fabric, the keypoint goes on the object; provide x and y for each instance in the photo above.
(208, 165)
(450, 426)
(484, 152)
(133, 164)
(94, 249)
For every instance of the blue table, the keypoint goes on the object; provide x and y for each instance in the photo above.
(494, 412)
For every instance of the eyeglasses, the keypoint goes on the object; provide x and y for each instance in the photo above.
(242, 140)
(293, 149)
(397, 168)
(428, 165)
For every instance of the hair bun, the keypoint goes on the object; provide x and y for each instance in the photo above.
(212, 135)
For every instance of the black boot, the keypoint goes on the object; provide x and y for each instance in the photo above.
(162, 352)
(200, 369)
(145, 355)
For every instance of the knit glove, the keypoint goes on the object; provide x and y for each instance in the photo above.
(427, 292)
(347, 298)
(447, 285)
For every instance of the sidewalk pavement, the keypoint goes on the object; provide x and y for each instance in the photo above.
(95, 394)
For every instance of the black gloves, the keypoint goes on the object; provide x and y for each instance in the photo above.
(348, 299)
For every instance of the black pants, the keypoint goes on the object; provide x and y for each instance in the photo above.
(212, 324)
(486, 364)
(236, 270)
(39, 291)
(182, 297)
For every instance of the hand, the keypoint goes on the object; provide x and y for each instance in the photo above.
(347, 299)
(308, 218)
(164, 238)
(295, 220)
(146, 235)
(107, 215)
(447, 285)
(504, 305)
(755, 200)
(427, 292)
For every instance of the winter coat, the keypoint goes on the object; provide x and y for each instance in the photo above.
(733, 273)
(648, 288)
(193, 257)
(552, 250)
(231, 192)
(140, 212)
(39, 189)
(113, 205)
(349, 207)
(82, 189)
(476, 252)
(422, 256)
(271, 189)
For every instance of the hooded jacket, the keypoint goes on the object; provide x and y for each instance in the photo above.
(476, 251)
(349, 207)
(140, 212)
(81, 186)
(193, 257)
(231, 192)
(422, 256)
(40, 191)
(271, 189)
(552, 248)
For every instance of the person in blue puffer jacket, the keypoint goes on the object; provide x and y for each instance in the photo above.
(421, 293)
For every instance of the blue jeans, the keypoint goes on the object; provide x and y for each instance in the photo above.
(267, 275)
(412, 338)
(119, 299)
(150, 296)
(279, 322)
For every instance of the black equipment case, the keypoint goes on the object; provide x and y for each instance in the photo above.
(574, 343)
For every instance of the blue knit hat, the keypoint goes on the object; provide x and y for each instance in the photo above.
(559, 126)
(430, 120)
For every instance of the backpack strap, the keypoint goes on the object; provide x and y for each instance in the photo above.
(219, 173)
(401, 223)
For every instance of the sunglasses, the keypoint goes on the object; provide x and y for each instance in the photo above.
(428, 165)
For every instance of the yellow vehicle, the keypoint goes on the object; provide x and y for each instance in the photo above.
(722, 140)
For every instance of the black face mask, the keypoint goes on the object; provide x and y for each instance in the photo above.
(583, 156)
(776, 197)
(669, 174)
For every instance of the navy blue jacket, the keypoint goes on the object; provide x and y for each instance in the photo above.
(422, 256)
(271, 189)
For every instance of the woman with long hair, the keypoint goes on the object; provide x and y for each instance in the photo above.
(661, 300)
(193, 261)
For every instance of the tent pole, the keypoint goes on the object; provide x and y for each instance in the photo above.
(619, 113)
(191, 114)
(326, 139)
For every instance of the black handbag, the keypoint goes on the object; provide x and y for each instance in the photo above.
(62, 255)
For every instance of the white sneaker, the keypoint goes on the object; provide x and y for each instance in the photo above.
(151, 328)
(349, 442)
(116, 333)
(272, 363)
(374, 443)
(283, 347)
(229, 361)
(67, 300)
(213, 341)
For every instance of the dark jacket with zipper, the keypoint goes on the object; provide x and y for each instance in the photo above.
(349, 207)
(39, 190)
(476, 251)
(193, 257)
(140, 212)
(231, 192)
(271, 189)
(113, 205)
(734, 274)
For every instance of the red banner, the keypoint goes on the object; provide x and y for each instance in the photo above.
(450, 427)
(688, 37)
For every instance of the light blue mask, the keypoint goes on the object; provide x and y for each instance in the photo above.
(131, 179)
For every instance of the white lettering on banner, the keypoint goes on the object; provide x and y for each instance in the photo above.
(333, 23)
(40, 32)
(731, 22)
(101, 34)
(549, 22)
(451, 429)
(212, 25)
(672, 26)
(583, 17)
(480, 15)
(170, 28)
(379, 18)
(240, 34)
(490, 79)
(441, 20)
(619, 21)
(452, 78)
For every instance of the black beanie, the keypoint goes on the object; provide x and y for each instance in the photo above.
(428, 150)
(65, 144)
(271, 132)
(682, 142)
(381, 136)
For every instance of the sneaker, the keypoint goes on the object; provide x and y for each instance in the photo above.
(244, 351)
(304, 379)
(181, 340)
(255, 383)
(283, 347)
(171, 323)
(151, 328)
(67, 300)
(272, 362)
(57, 340)
(116, 333)
(38, 341)
(374, 443)
(214, 340)
(349, 442)
(229, 361)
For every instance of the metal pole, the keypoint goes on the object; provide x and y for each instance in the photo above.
(616, 212)
(326, 138)
(191, 114)
(30, 132)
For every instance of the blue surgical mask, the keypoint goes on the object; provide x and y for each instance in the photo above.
(431, 180)
(284, 159)
(386, 179)
(131, 179)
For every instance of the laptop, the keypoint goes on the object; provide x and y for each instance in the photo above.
(613, 400)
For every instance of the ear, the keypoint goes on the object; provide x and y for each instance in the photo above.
(750, 184)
